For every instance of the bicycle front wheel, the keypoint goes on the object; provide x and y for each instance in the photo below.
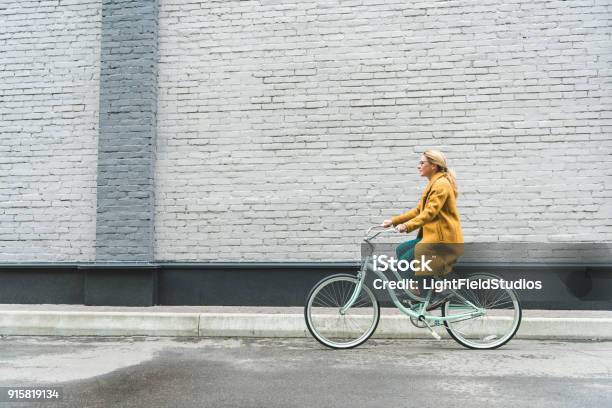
(325, 321)
(499, 323)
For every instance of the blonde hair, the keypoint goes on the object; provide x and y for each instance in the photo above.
(439, 159)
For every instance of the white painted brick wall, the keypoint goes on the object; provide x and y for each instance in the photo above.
(286, 128)
(49, 71)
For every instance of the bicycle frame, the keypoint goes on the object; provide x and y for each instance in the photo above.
(418, 311)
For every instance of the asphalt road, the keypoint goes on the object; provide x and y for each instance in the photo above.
(216, 372)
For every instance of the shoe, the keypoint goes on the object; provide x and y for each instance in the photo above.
(406, 302)
(440, 299)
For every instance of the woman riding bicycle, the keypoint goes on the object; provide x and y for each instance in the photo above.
(436, 216)
(341, 311)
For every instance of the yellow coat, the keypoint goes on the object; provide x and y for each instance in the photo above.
(437, 218)
(436, 214)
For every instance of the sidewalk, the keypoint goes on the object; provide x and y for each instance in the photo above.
(246, 321)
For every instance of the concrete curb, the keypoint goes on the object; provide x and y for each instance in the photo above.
(68, 323)
(104, 323)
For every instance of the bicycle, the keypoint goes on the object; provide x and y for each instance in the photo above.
(342, 312)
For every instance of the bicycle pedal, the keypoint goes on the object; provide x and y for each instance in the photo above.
(432, 331)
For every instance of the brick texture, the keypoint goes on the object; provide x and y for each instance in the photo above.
(126, 148)
(49, 70)
(286, 128)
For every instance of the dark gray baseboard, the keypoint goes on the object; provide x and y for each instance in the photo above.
(565, 286)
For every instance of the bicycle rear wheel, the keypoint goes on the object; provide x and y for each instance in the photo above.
(324, 320)
(500, 322)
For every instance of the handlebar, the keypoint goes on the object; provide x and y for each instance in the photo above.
(385, 229)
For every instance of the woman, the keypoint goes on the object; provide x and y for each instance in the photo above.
(436, 216)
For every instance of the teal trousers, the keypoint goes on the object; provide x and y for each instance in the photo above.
(405, 250)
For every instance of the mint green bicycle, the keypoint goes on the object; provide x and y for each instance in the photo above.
(342, 312)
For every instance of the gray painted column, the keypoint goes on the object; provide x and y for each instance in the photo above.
(126, 147)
